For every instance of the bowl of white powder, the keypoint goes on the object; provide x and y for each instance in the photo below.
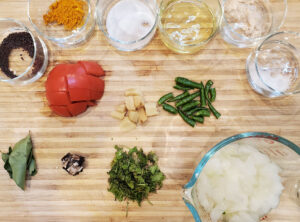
(128, 25)
(248, 177)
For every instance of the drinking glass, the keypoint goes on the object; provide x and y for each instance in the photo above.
(272, 68)
(187, 25)
(247, 22)
(128, 25)
(57, 33)
(18, 66)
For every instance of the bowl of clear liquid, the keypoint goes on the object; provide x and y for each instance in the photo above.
(273, 67)
(187, 25)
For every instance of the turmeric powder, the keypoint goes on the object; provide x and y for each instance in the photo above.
(69, 13)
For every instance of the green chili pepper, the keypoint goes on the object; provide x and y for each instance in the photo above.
(188, 83)
(165, 98)
(187, 119)
(190, 105)
(213, 94)
(181, 87)
(213, 110)
(202, 113)
(179, 97)
(187, 99)
(208, 85)
(199, 119)
(202, 96)
(169, 108)
(192, 111)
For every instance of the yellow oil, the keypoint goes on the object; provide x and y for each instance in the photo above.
(186, 25)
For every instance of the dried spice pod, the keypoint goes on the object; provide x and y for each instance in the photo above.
(73, 163)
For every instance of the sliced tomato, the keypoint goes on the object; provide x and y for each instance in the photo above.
(96, 84)
(56, 84)
(77, 108)
(72, 88)
(92, 68)
(58, 98)
(77, 94)
(61, 110)
(78, 81)
(95, 95)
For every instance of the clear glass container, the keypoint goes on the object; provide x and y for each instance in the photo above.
(18, 66)
(128, 25)
(281, 151)
(187, 25)
(247, 22)
(273, 67)
(57, 33)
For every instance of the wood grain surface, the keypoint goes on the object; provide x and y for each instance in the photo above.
(53, 195)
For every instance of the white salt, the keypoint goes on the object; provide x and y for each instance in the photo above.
(129, 20)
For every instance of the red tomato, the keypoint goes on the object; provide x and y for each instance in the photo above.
(72, 88)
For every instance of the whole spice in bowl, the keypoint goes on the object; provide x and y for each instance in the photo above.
(13, 41)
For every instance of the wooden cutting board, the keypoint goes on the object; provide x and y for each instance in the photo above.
(53, 195)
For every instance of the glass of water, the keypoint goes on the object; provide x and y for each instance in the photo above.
(247, 22)
(272, 68)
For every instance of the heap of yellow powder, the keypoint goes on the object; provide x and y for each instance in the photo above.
(69, 13)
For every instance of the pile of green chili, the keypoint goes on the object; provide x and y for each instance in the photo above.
(189, 108)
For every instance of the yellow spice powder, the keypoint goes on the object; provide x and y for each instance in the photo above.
(69, 13)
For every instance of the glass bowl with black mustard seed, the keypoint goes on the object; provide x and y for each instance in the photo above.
(67, 23)
(23, 56)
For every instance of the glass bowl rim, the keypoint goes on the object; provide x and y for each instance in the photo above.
(245, 38)
(22, 25)
(163, 32)
(258, 49)
(222, 144)
(99, 22)
(62, 39)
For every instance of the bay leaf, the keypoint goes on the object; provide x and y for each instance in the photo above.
(20, 159)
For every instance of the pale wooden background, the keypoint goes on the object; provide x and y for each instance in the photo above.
(53, 195)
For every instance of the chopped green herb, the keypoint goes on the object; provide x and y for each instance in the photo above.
(134, 175)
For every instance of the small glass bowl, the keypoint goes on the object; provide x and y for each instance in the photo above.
(274, 10)
(273, 67)
(57, 33)
(185, 18)
(281, 151)
(26, 70)
(103, 8)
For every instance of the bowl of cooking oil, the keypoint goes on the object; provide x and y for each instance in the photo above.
(187, 25)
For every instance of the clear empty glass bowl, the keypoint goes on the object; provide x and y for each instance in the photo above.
(273, 67)
(280, 151)
(57, 33)
(23, 55)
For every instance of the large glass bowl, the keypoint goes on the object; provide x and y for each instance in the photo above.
(281, 151)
